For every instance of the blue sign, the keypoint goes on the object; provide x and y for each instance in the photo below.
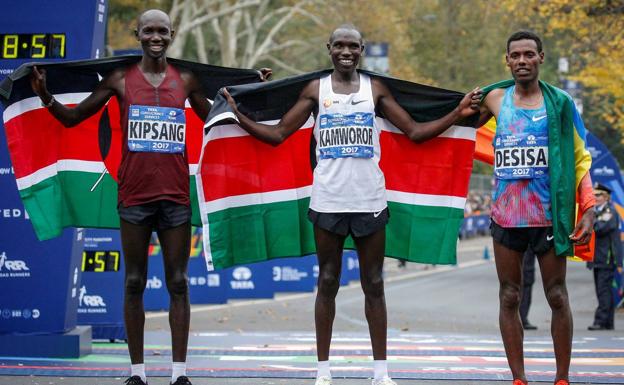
(350, 267)
(249, 281)
(294, 274)
(40, 281)
(100, 296)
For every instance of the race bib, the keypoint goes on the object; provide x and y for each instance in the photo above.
(346, 136)
(521, 156)
(156, 129)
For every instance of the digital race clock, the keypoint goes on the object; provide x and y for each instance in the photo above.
(32, 46)
(100, 261)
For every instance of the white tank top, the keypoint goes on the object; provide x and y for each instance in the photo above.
(347, 177)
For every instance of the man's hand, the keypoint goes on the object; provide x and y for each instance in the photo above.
(582, 232)
(229, 99)
(265, 74)
(470, 103)
(38, 85)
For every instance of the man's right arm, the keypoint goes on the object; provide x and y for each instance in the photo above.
(290, 122)
(490, 106)
(70, 117)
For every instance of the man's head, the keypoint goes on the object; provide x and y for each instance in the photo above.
(345, 48)
(602, 193)
(524, 56)
(154, 32)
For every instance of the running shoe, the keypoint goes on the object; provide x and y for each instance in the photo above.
(323, 380)
(182, 380)
(562, 382)
(518, 381)
(384, 381)
(135, 380)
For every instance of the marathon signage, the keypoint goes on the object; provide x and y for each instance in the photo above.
(156, 129)
(250, 281)
(342, 136)
(100, 294)
(294, 274)
(521, 156)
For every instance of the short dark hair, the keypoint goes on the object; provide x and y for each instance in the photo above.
(346, 26)
(525, 35)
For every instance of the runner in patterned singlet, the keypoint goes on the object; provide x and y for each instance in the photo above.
(522, 212)
(153, 177)
(522, 186)
(348, 153)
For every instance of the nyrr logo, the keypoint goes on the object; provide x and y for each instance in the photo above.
(13, 268)
(242, 276)
(154, 283)
(90, 303)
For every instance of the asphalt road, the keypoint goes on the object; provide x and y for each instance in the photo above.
(458, 299)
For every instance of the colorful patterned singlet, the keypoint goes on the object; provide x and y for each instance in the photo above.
(522, 183)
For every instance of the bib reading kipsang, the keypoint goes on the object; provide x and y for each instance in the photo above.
(156, 129)
(346, 136)
(521, 156)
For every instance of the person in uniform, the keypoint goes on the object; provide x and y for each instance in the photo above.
(607, 257)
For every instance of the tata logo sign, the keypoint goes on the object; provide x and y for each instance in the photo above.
(604, 171)
(242, 279)
(241, 273)
(13, 268)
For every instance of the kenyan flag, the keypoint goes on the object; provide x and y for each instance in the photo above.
(254, 197)
(66, 176)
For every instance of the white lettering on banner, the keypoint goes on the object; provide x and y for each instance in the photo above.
(13, 213)
(288, 274)
(6, 171)
(242, 276)
(6, 71)
(90, 303)
(20, 313)
(13, 268)
(353, 263)
(154, 283)
(214, 280)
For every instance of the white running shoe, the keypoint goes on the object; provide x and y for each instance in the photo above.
(384, 381)
(324, 380)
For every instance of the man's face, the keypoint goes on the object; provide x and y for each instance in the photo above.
(345, 50)
(601, 197)
(524, 60)
(155, 34)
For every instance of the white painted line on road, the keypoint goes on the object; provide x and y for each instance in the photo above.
(351, 286)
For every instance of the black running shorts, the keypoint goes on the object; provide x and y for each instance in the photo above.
(356, 224)
(160, 215)
(519, 238)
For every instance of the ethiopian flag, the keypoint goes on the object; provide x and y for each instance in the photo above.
(66, 176)
(254, 197)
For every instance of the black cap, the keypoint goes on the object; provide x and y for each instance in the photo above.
(601, 187)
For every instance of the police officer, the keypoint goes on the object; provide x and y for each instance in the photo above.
(607, 257)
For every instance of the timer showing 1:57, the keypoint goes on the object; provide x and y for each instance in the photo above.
(32, 46)
(100, 261)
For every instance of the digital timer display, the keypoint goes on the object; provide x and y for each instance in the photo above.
(100, 261)
(32, 46)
